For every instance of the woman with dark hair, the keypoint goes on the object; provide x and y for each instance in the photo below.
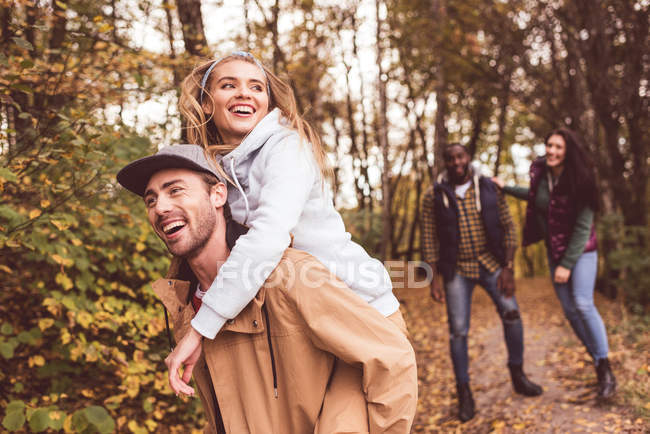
(562, 200)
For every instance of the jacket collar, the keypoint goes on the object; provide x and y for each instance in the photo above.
(443, 179)
(174, 292)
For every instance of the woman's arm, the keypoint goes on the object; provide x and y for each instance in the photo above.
(516, 191)
(289, 174)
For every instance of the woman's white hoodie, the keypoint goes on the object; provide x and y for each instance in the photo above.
(279, 193)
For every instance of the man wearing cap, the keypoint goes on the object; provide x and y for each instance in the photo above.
(468, 237)
(268, 369)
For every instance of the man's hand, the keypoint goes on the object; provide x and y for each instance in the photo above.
(185, 355)
(506, 282)
(561, 274)
(436, 290)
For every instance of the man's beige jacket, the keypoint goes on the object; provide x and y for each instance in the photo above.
(269, 369)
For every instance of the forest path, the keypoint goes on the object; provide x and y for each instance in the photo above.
(554, 358)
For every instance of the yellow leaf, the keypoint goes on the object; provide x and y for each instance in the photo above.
(45, 203)
(62, 226)
(519, 426)
(136, 429)
(96, 220)
(27, 180)
(91, 354)
(12, 243)
(67, 425)
(140, 247)
(132, 386)
(55, 415)
(87, 393)
(84, 318)
(105, 28)
(58, 259)
(97, 18)
(151, 425)
(34, 213)
(5, 269)
(45, 323)
(37, 360)
(65, 337)
(76, 242)
(63, 280)
(498, 424)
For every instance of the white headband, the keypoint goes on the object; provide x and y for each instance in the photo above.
(237, 54)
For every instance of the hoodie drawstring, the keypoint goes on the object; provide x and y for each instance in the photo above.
(268, 336)
(241, 190)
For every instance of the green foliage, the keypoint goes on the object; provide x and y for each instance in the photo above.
(629, 259)
(81, 340)
(15, 416)
(365, 226)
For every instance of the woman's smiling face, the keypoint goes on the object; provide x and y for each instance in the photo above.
(555, 151)
(239, 99)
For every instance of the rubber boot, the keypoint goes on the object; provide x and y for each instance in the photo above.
(465, 402)
(606, 379)
(521, 383)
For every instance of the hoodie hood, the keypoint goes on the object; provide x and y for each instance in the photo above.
(237, 163)
(271, 124)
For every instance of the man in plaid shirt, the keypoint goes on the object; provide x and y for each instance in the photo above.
(468, 237)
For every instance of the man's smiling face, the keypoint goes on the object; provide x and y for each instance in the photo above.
(457, 164)
(182, 210)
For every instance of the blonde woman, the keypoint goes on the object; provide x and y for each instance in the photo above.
(246, 118)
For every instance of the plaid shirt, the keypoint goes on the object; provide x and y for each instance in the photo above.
(472, 248)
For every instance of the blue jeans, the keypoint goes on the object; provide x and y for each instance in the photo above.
(577, 300)
(458, 292)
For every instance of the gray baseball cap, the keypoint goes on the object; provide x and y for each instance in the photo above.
(136, 175)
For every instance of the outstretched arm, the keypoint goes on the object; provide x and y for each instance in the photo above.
(513, 190)
(289, 174)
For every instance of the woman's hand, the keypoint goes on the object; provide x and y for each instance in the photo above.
(185, 355)
(498, 181)
(561, 274)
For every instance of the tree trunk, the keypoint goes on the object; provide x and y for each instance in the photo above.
(383, 140)
(365, 140)
(441, 132)
(354, 147)
(503, 116)
(189, 13)
(170, 38)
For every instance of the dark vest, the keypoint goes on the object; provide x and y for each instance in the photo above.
(561, 217)
(448, 230)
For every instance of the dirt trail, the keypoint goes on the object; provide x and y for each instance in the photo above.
(553, 356)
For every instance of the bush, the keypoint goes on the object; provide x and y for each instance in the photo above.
(626, 260)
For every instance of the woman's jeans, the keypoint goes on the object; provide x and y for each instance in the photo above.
(577, 299)
(458, 292)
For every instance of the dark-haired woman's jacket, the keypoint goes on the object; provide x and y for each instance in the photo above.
(562, 214)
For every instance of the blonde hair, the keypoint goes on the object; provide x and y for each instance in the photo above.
(203, 132)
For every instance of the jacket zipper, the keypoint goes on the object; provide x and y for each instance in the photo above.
(268, 337)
